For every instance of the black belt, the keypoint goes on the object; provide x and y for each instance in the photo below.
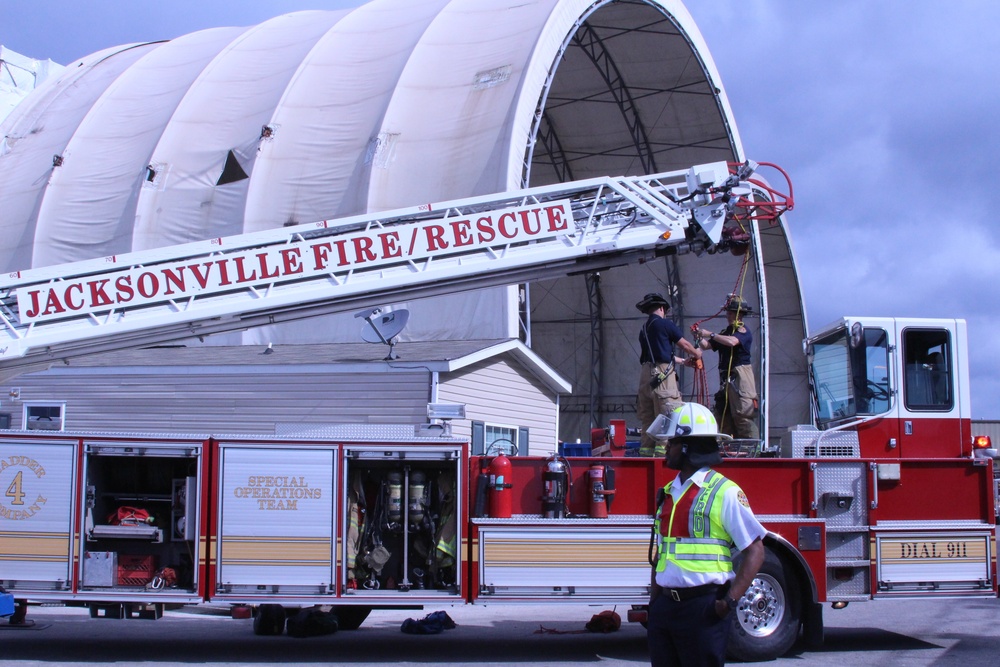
(682, 594)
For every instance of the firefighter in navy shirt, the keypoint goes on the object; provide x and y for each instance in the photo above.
(658, 389)
(736, 400)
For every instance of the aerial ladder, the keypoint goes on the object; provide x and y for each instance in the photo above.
(279, 275)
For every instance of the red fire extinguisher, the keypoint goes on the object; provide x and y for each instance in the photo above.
(500, 487)
(602, 490)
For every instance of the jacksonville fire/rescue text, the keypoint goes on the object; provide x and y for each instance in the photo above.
(377, 246)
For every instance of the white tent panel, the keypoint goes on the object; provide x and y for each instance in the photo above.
(207, 150)
(479, 315)
(427, 99)
(32, 137)
(43, 74)
(326, 127)
(448, 121)
(89, 206)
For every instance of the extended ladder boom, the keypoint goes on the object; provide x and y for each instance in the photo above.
(279, 275)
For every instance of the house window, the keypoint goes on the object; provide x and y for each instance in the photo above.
(494, 439)
(44, 416)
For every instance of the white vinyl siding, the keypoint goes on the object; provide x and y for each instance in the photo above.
(500, 391)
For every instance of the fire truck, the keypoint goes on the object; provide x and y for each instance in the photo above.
(886, 495)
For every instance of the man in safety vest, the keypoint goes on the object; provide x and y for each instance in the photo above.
(700, 516)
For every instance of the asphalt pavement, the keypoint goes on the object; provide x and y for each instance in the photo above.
(908, 633)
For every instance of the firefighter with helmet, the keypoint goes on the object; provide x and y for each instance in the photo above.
(700, 516)
(658, 388)
(736, 400)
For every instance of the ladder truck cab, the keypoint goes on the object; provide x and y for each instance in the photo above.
(899, 387)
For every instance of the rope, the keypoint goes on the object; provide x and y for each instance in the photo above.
(700, 376)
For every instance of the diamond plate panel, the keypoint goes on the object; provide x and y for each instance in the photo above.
(842, 491)
(809, 443)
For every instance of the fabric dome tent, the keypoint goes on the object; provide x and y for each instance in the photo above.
(316, 115)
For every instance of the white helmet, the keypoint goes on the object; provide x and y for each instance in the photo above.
(687, 420)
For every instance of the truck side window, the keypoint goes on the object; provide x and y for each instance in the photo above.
(927, 356)
(870, 368)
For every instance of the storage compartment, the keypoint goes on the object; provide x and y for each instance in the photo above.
(139, 514)
(405, 504)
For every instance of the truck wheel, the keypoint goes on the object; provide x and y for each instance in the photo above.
(351, 618)
(768, 614)
(269, 620)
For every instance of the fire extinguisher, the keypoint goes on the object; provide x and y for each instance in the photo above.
(602, 490)
(500, 487)
(555, 485)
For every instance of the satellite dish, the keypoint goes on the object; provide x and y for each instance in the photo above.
(383, 327)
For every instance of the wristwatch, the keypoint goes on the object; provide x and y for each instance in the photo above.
(731, 603)
(711, 336)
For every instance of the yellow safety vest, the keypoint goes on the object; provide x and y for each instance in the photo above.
(704, 546)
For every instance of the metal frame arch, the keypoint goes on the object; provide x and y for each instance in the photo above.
(593, 45)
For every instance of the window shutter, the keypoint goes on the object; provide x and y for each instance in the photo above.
(522, 441)
(478, 437)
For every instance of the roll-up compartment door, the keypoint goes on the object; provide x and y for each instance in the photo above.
(37, 511)
(276, 514)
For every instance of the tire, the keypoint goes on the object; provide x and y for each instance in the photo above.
(269, 620)
(768, 615)
(351, 618)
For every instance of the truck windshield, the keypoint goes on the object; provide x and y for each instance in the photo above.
(850, 375)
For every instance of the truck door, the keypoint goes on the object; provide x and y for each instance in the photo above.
(276, 520)
(37, 512)
(930, 424)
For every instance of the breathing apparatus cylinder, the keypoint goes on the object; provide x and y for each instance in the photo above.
(501, 496)
(416, 496)
(555, 482)
(394, 480)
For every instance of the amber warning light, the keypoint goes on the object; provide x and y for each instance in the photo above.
(982, 442)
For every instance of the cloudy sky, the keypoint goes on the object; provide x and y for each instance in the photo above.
(883, 112)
